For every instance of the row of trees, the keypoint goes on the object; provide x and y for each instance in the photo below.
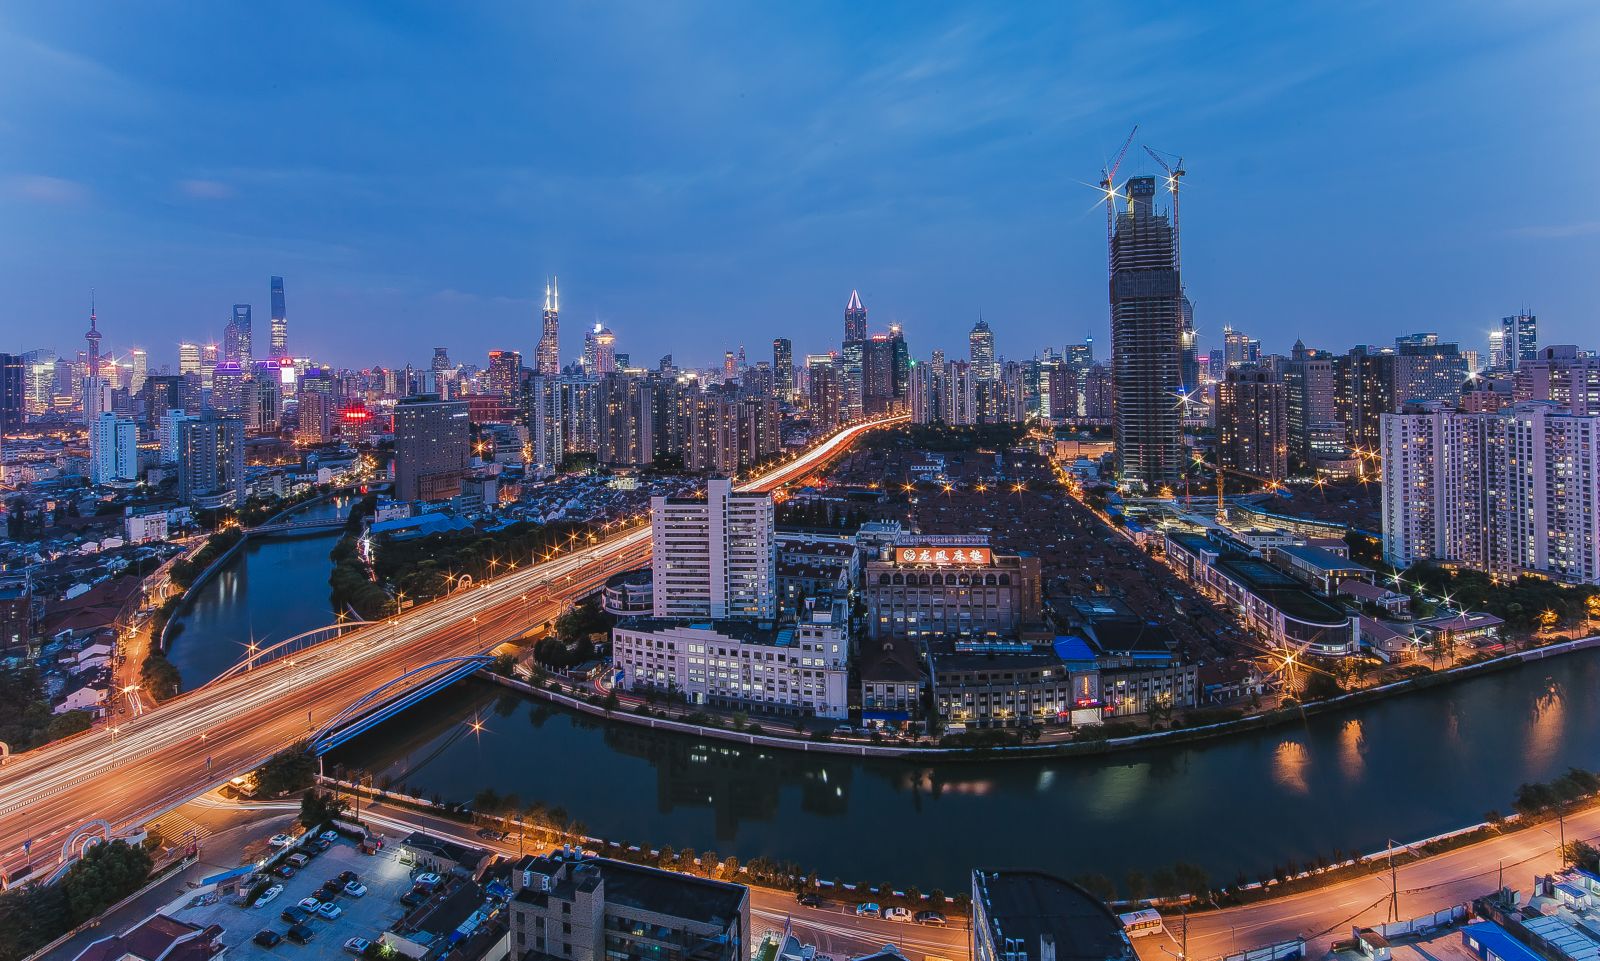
(36, 914)
(27, 721)
(185, 570)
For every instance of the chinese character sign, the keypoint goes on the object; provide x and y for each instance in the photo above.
(944, 556)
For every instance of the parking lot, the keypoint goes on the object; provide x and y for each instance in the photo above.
(385, 878)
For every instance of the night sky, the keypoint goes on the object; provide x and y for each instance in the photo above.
(708, 175)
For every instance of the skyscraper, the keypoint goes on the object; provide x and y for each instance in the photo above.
(211, 462)
(505, 368)
(93, 396)
(1520, 338)
(236, 338)
(599, 351)
(1146, 342)
(279, 347)
(114, 453)
(855, 318)
(783, 367)
(980, 351)
(13, 391)
(431, 441)
(547, 356)
(140, 362)
(1252, 422)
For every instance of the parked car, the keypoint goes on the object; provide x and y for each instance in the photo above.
(427, 879)
(280, 840)
(490, 834)
(933, 918)
(330, 890)
(845, 730)
(345, 877)
(268, 938)
(897, 914)
(355, 889)
(284, 870)
(357, 946)
(324, 844)
(268, 895)
(809, 900)
(301, 933)
(868, 909)
(413, 897)
(329, 836)
(309, 904)
(293, 915)
(329, 910)
(298, 860)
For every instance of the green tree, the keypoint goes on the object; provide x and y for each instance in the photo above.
(105, 874)
(292, 769)
(159, 677)
(320, 807)
(31, 917)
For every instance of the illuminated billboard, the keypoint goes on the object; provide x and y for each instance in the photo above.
(944, 556)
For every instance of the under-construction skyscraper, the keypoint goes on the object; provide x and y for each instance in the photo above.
(1146, 341)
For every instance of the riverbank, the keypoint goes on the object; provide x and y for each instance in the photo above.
(658, 719)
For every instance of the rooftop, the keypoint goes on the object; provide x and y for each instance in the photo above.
(1320, 558)
(1033, 910)
(1280, 590)
(685, 896)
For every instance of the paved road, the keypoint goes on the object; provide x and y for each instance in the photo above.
(142, 766)
(1323, 914)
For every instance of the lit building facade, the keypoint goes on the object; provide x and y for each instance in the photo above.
(1146, 342)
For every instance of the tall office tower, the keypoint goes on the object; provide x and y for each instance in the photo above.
(1311, 387)
(902, 364)
(1189, 340)
(114, 449)
(758, 381)
(855, 318)
(783, 367)
(189, 359)
(139, 369)
(980, 351)
(824, 396)
(1058, 392)
(959, 402)
(711, 434)
(505, 372)
(627, 421)
(209, 354)
(1367, 383)
(1239, 349)
(599, 351)
(315, 425)
(715, 557)
(852, 384)
(263, 405)
(547, 356)
(211, 462)
(170, 433)
(545, 423)
(1510, 492)
(877, 376)
(236, 338)
(1146, 342)
(730, 367)
(1519, 336)
(431, 448)
(1252, 422)
(279, 334)
(1561, 375)
(93, 394)
(1428, 371)
(39, 376)
(1080, 357)
(1497, 351)
(13, 392)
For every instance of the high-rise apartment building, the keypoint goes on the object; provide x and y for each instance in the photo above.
(279, 334)
(980, 351)
(1519, 338)
(505, 372)
(783, 367)
(852, 379)
(545, 424)
(547, 356)
(599, 351)
(1561, 375)
(1252, 422)
(431, 447)
(211, 462)
(1311, 387)
(1511, 492)
(824, 397)
(315, 423)
(715, 557)
(878, 375)
(115, 449)
(627, 421)
(1146, 342)
(236, 338)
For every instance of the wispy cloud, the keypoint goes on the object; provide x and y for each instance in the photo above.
(44, 189)
(1582, 228)
(200, 189)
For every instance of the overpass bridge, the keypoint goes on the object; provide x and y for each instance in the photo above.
(315, 693)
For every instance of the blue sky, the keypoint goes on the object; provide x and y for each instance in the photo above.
(706, 175)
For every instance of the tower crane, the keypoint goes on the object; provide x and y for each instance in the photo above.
(1108, 184)
(1175, 174)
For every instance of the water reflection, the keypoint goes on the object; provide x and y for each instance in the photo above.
(1546, 723)
(1290, 763)
(1352, 750)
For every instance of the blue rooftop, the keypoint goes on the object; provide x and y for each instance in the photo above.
(1498, 942)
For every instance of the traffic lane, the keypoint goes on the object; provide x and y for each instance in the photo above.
(839, 932)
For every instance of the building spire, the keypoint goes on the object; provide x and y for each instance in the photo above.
(855, 301)
(555, 288)
(547, 307)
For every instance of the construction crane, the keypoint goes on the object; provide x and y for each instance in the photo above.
(1175, 174)
(1108, 185)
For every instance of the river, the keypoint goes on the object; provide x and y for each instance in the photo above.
(271, 589)
(1405, 768)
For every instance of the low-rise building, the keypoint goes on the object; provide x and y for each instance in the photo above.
(1033, 916)
(157, 938)
(893, 681)
(566, 907)
(1320, 569)
(949, 586)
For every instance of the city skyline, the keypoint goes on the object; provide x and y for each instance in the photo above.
(984, 104)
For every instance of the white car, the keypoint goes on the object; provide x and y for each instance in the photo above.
(280, 840)
(329, 910)
(357, 945)
(427, 879)
(897, 914)
(310, 904)
(355, 889)
(329, 836)
(268, 895)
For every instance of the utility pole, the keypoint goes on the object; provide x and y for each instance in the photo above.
(1394, 886)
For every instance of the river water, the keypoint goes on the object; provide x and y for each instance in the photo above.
(1405, 768)
(270, 590)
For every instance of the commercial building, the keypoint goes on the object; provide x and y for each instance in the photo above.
(431, 448)
(1253, 422)
(211, 461)
(279, 334)
(1146, 342)
(714, 558)
(783, 367)
(980, 351)
(1519, 339)
(567, 907)
(795, 665)
(1311, 406)
(957, 586)
(1512, 492)
(547, 356)
(1033, 916)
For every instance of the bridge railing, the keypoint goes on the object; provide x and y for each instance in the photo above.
(293, 645)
